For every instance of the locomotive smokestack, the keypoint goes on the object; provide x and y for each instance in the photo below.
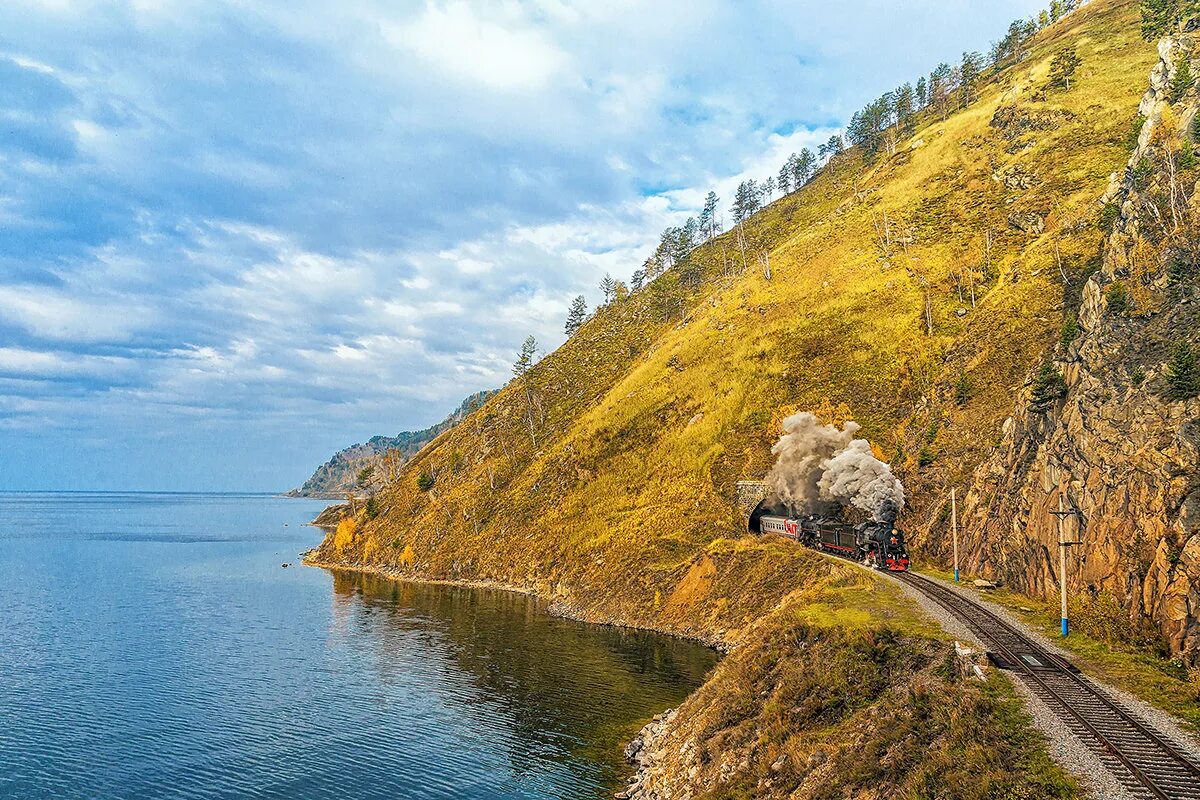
(819, 466)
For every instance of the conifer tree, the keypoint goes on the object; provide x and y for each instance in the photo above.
(745, 200)
(1160, 17)
(921, 96)
(905, 108)
(940, 87)
(784, 179)
(968, 76)
(1063, 66)
(576, 315)
(608, 286)
(1183, 378)
(1048, 386)
(1157, 16)
(1181, 79)
(803, 167)
(708, 216)
(526, 358)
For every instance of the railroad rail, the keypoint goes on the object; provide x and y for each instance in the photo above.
(1146, 762)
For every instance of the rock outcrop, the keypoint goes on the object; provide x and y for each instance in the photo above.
(383, 456)
(1116, 447)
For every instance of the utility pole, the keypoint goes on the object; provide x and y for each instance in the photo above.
(1062, 559)
(954, 528)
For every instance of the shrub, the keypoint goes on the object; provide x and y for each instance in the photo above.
(372, 507)
(1048, 386)
(1142, 174)
(1181, 267)
(962, 390)
(1183, 380)
(1118, 299)
(1138, 376)
(344, 535)
(1070, 330)
(425, 480)
(926, 456)
(1135, 131)
(1108, 217)
(1182, 80)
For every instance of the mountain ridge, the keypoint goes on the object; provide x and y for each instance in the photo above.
(339, 475)
(923, 292)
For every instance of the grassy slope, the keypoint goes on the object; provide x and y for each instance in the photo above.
(619, 503)
(624, 488)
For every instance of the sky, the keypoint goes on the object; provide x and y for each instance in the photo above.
(238, 235)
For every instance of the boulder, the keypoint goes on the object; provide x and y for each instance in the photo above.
(1027, 221)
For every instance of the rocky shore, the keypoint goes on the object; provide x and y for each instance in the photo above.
(644, 754)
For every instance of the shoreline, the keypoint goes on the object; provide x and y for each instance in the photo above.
(637, 751)
(554, 607)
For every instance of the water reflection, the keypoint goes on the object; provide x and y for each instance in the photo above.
(566, 693)
(152, 647)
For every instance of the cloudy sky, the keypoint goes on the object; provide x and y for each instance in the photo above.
(236, 235)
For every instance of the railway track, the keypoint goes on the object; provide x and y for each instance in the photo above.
(1146, 762)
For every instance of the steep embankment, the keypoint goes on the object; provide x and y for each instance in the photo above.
(915, 294)
(1122, 447)
(382, 456)
(610, 472)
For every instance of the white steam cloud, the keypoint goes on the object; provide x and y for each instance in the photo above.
(819, 468)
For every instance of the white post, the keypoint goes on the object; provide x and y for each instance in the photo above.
(954, 527)
(1062, 565)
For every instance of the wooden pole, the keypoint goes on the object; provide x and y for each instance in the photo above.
(954, 528)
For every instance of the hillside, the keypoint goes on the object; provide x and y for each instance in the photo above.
(383, 455)
(918, 293)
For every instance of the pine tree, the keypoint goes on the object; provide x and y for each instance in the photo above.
(576, 315)
(940, 87)
(745, 200)
(968, 76)
(1160, 17)
(1063, 66)
(905, 108)
(1048, 386)
(921, 97)
(526, 358)
(708, 216)
(608, 286)
(1056, 10)
(1183, 379)
(1181, 78)
(803, 167)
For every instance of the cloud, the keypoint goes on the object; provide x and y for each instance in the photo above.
(240, 235)
(455, 39)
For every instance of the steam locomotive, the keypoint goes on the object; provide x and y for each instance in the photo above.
(879, 544)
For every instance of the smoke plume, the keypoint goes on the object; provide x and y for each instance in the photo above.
(819, 469)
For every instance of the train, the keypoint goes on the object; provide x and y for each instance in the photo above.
(877, 544)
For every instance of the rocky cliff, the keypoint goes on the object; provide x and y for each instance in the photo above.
(915, 292)
(1118, 447)
(384, 455)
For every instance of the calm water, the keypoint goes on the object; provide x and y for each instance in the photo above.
(152, 646)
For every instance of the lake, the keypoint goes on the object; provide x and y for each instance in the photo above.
(152, 645)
